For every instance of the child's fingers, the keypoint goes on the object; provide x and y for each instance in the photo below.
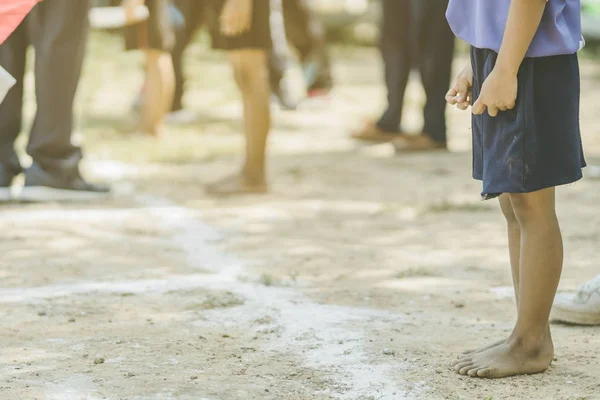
(463, 89)
(463, 106)
(451, 96)
(492, 111)
(478, 107)
(246, 24)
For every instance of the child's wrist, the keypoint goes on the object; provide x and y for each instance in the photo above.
(506, 70)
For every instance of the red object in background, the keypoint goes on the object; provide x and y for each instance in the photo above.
(12, 13)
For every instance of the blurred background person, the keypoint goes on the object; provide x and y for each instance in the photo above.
(156, 37)
(57, 29)
(301, 27)
(242, 28)
(414, 33)
(193, 12)
(305, 32)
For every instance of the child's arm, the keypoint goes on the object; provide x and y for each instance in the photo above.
(499, 91)
(236, 17)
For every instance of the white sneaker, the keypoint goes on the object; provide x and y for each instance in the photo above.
(582, 307)
(182, 117)
(593, 172)
(5, 194)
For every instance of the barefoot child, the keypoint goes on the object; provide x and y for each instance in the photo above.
(524, 84)
(241, 27)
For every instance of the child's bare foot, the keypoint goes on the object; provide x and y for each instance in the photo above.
(237, 184)
(132, 126)
(471, 352)
(514, 357)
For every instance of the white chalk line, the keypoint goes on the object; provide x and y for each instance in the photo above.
(324, 337)
(330, 343)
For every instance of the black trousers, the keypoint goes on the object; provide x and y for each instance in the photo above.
(57, 29)
(415, 34)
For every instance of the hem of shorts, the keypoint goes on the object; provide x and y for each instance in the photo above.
(492, 195)
(250, 47)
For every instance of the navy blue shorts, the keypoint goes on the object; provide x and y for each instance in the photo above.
(258, 37)
(536, 145)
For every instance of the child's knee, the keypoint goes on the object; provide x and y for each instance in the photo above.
(249, 69)
(507, 210)
(526, 208)
(239, 73)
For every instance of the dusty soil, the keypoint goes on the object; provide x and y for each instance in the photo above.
(360, 277)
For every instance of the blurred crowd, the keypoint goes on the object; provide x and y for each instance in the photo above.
(258, 35)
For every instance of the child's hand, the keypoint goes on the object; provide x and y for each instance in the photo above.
(236, 17)
(460, 94)
(498, 93)
(130, 7)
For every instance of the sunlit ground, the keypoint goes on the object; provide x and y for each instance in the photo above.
(360, 277)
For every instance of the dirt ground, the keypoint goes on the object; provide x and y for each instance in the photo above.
(360, 277)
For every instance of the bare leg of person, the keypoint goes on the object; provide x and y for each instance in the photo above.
(158, 91)
(251, 75)
(529, 349)
(514, 249)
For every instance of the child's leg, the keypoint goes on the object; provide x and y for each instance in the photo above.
(158, 91)
(251, 75)
(514, 242)
(529, 349)
(514, 249)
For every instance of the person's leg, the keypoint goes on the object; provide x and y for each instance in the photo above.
(59, 32)
(12, 58)
(193, 11)
(279, 56)
(514, 249)
(306, 33)
(396, 51)
(435, 67)
(434, 46)
(251, 75)
(158, 90)
(529, 349)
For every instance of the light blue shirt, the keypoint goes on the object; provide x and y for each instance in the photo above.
(481, 23)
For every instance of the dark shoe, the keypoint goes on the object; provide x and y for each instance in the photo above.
(417, 143)
(370, 132)
(45, 186)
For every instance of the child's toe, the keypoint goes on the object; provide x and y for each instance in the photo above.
(485, 373)
(464, 370)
